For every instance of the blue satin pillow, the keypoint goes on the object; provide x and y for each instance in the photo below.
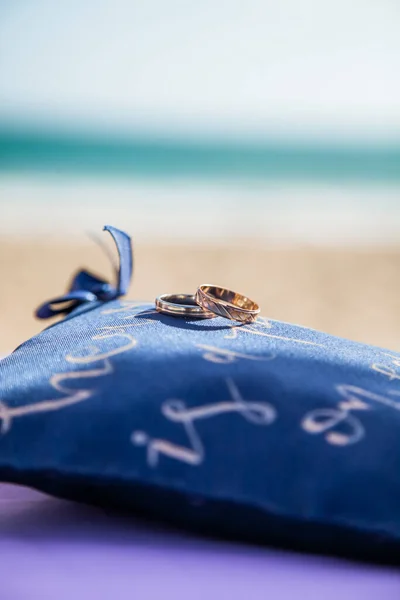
(268, 432)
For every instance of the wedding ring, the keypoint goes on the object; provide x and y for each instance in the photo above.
(181, 305)
(225, 303)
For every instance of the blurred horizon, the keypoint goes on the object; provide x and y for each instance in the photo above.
(277, 123)
(77, 150)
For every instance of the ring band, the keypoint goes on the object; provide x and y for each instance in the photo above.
(228, 304)
(181, 305)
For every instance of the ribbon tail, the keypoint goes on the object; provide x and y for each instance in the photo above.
(64, 304)
(124, 246)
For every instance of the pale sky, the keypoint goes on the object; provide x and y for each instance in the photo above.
(296, 68)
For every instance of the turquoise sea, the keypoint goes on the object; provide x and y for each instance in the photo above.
(151, 157)
(188, 190)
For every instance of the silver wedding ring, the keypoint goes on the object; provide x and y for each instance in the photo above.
(181, 305)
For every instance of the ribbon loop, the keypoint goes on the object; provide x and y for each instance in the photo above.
(86, 287)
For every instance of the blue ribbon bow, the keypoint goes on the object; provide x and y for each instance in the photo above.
(86, 287)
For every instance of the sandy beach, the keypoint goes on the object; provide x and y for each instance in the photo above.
(352, 293)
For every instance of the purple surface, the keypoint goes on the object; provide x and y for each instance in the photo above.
(56, 549)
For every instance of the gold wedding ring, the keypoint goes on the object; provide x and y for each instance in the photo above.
(226, 303)
(181, 305)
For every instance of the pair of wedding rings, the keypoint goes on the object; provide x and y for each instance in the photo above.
(209, 301)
